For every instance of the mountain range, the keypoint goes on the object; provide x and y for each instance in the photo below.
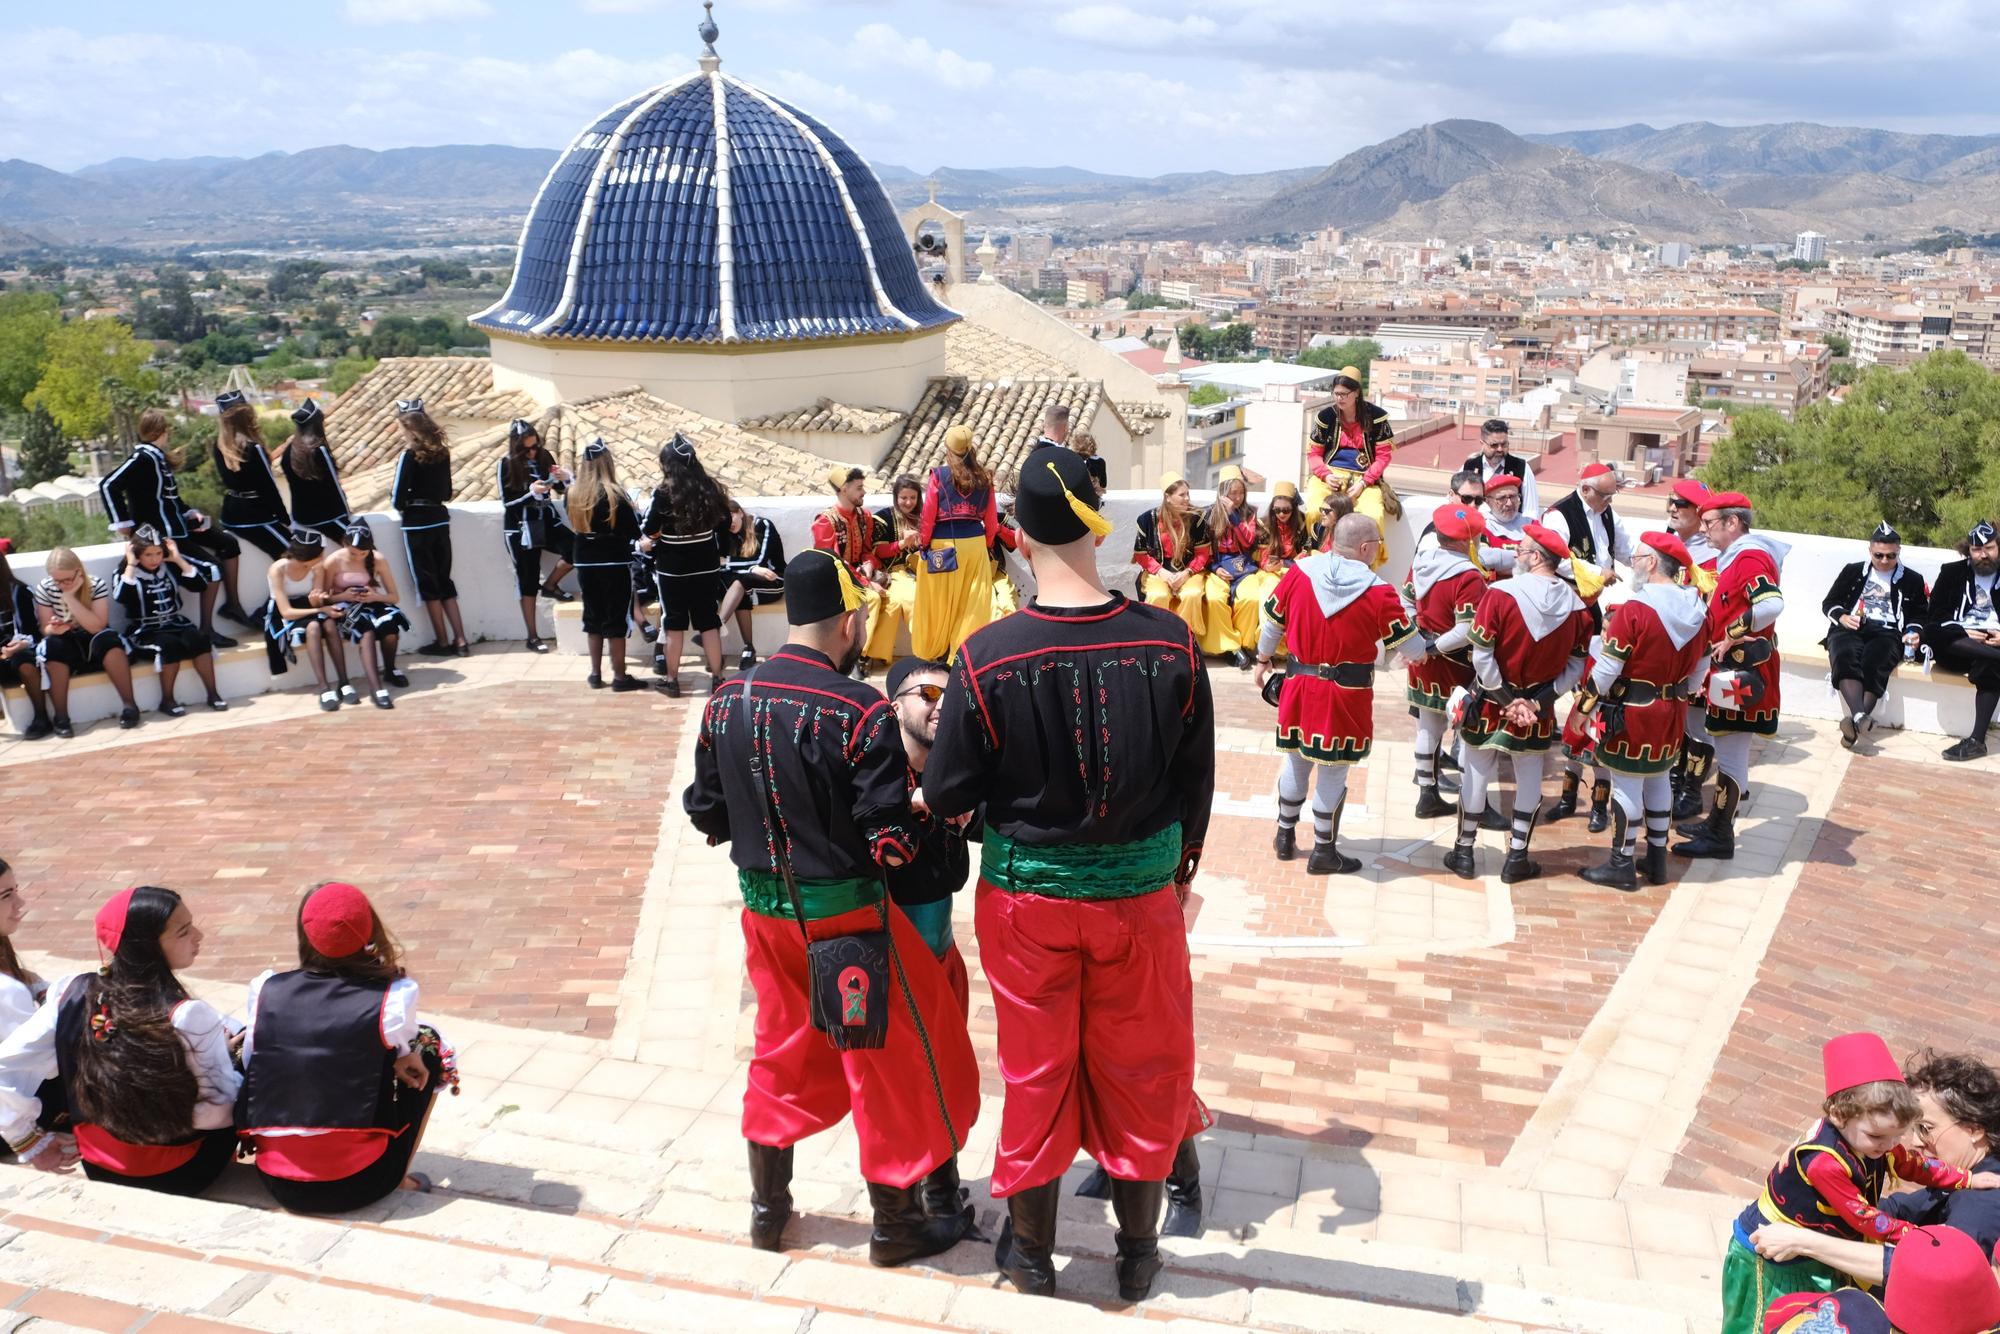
(1461, 180)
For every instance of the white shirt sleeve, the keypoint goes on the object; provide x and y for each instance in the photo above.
(250, 1013)
(1555, 519)
(1530, 498)
(206, 1038)
(399, 1016)
(17, 1004)
(27, 1058)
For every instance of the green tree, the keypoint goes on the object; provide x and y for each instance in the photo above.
(295, 279)
(26, 321)
(1840, 343)
(1842, 372)
(47, 526)
(1355, 352)
(82, 356)
(1144, 301)
(1230, 342)
(1207, 395)
(346, 371)
(44, 452)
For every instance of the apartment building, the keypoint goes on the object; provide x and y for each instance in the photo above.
(1442, 383)
(1649, 324)
(1285, 327)
(1879, 335)
(1783, 377)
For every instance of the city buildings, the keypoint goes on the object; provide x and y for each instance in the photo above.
(1809, 247)
(1429, 382)
(1782, 376)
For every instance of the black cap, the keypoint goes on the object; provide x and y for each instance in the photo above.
(1055, 503)
(1494, 426)
(818, 587)
(906, 668)
(521, 428)
(228, 399)
(306, 413)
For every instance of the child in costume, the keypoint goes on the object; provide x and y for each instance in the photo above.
(1831, 1181)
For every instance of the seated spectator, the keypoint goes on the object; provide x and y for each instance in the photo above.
(752, 575)
(1875, 608)
(21, 994)
(1172, 549)
(149, 588)
(362, 589)
(20, 634)
(338, 1076)
(146, 1071)
(77, 637)
(294, 618)
(1963, 629)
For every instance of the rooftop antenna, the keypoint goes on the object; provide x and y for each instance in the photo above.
(708, 32)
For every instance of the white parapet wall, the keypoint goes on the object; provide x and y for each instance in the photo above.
(483, 571)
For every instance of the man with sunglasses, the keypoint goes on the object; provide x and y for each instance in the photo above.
(1873, 611)
(1467, 490)
(1964, 629)
(1494, 459)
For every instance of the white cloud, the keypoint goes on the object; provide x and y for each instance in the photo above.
(878, 45)
(619, 6)
(1791, 31)
(373, 12)
(1118, 25)
(831, 104)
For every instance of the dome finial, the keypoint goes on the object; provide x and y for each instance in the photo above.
(708, 32)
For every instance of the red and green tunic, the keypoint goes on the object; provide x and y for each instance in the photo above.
(1650, 736)
(1745, 578)
(1526, 664)
(1325, 721)
(856, 536)
(1444, 605)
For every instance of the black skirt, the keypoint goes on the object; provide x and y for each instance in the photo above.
(217, 1150)
(1867, 656)
(429, 550)
(175, 641)
(607, 599)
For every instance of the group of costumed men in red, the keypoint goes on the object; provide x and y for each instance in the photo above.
(1495, 624)
(1079, 733)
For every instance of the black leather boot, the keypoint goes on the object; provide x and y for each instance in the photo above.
(1184, 1194)
(1695, 756)
(1430, 805)
(1600, 806)
(1327, 858)
(1619, 872)
(1493, 818)
(943, 1195)
(1718, 839)
(1024, 1253)
(1459, 860)
(1096, 1186)
(1137, 1205)
(904, 1232)
(1518, 866)
(1286, 844)
(1564, 805)
(770, 1194)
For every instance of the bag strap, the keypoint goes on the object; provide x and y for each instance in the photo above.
(766, 778)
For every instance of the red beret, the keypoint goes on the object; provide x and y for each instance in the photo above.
(337, 920)
(1501, 481)
(1594, 470)
(1943, 1284)
(1457, 522)
(1853, 1059)
(6, 546)
(1692, 491)
(111, 920)
(1725, 500)
(1667, 545)
(1547, 539)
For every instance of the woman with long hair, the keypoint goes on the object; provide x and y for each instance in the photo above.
(143, 493)
(421, 493)
(683, 535)
(307, 462)
(1282, 539)
(961, 520)
(357, 583)
(299, 615)
(1352, 443)
(901, 522)
(1232, 618)
(601, 516)
(75, 613)
(339, 1078)
(146, 1071)
(1172, 550)
(1085, 444)
(753, 575)
(20, 636)
(253, 508)
(531, 484)
(149, 588)
(21, 991)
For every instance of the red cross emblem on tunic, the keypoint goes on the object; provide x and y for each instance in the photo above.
(1738, 692)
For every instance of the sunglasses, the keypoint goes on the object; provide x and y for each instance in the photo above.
(1676, 503)
(1881, 555)
(1470, 500)
(931, 693)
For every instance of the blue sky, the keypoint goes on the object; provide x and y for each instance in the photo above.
(1139, 86)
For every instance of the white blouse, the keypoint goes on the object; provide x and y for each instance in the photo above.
(28, 1057)
(18, 1003)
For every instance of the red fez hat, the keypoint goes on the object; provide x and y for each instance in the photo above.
(1943, 1285)
(111, 920)
(337, 920)
(1594, 470)
(1456, 523)
(1501, 481)
(1547, 539)
(1692, 491)
(1854, 1059)
(6, 546)
(1667, 545)
(1725, 500)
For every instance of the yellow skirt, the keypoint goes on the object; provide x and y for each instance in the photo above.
(952, 605)
(887, 611)
(1232, 619)
(1249, 609)
(1006, 597)
(1191, 604)
(1368, 500)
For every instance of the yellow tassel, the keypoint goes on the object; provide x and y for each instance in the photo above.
(1093, 519)
(1704, 580)
(850, 592)
(1589, 579)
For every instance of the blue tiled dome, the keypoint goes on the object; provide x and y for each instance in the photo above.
(708, 211)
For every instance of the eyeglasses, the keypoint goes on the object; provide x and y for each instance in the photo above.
(931, 693)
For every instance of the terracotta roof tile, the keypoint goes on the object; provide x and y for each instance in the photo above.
(1005, 417)
(502, 405)
(973, 350)
(361, 424)
(827, 416)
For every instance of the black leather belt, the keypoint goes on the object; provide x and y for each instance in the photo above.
(1353, 675)
(1638, 694)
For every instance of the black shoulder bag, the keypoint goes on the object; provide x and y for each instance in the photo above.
(847, 977)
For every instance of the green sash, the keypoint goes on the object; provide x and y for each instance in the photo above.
(1082, 870)
(764, 894)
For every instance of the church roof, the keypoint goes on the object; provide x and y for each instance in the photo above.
(708, 211)
(826, 417)
(1005, 417)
